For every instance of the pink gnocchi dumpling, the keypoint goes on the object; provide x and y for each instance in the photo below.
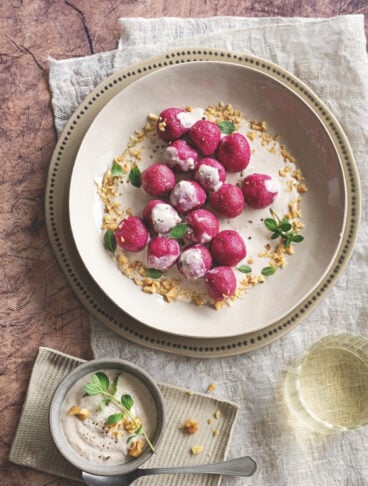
(206, 136)
(210, 174)
(160, 216)
(194, 261)
(187, 195)
(220, 283)
(202, 226)
(228, 248)
(234, 152)
(228, 200)
(162, 252)
(260, 190)
(180, 156)
(157, 180)
(131, 234)
(173, 123)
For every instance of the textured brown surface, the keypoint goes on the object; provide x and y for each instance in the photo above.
(37, 306)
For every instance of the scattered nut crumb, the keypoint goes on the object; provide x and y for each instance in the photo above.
(209, 421)
(211, 387)
(190, 426)
(217, 414)
(196, 449)
(190, 393)
(215, 432)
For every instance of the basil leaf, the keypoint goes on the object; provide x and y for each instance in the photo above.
(127, 401)
(244, 269)
(114, 419)
(178, 231)
(92, 389)
(267, 271)
(103, 403)
(226, 127)
(135, 176)
(270, 224)
(109, 241)
(298, 238)
(102, 380)
(285, 226)
(116, 170)
(114, 384)
(153, 273)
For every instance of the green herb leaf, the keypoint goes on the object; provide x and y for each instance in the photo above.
(127, 401)
(178, 231)
(138, 431)
(130, 438)
(114, 384)
(116, 170)
(270, 224)
(267, 271)
(101, 379)
(226, 127)
(153, 273)
(285, 226)
(114, 419)
(287, 243)
(275, 235)
(92, 389)
(298, 238)
(103, 403)
(109, 241)
(135, 176)
(244, 269)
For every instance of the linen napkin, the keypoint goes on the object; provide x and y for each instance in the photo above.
(330, 56)
(33, 445)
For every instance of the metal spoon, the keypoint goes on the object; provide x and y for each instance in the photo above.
(243, 466)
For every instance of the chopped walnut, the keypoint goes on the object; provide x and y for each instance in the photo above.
(196, 449)
(251, 135)
(136, 448)
(211, 387)
(209, 421)
(215, 432)
(130, 426)
(190, 393)
(217, 414)
(81, 413)
(190, 426)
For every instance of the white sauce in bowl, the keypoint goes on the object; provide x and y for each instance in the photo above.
(88, 437)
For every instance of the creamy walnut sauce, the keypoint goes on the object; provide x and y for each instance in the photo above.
(91, 438)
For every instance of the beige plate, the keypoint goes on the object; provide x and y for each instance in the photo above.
(329, 168)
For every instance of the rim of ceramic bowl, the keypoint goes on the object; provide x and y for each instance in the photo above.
(57, 402)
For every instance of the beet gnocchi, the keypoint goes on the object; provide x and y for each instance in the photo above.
(200, 229)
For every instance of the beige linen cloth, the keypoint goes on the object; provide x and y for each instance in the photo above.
(33, 445)
(330, 56)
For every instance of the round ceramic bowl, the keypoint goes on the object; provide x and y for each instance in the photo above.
(61, 394)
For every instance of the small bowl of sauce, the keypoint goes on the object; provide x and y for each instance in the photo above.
(107, 417)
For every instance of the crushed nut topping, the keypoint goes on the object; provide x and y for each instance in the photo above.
(130, 426)
(217, 414)
(136, 448)
(211, 387)
(81, 413)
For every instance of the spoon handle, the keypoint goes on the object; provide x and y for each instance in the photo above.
(242, 466)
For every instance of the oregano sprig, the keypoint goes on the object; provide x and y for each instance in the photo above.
(100, 385)
(281, 228)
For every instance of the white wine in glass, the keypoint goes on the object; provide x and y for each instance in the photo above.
(328, 388)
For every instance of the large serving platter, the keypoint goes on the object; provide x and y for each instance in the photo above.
(333, 196)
